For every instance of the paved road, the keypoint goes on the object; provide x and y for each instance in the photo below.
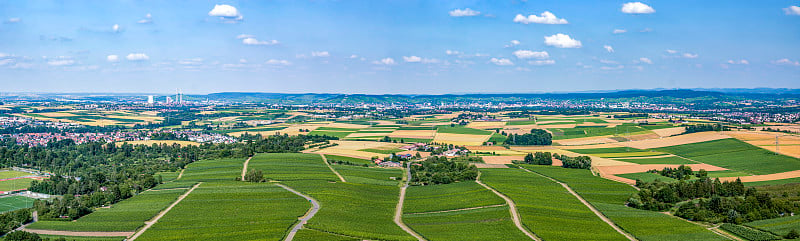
(511, 207)
(150, 223)
(398, 213)
(325, 159)
(244, 169)
(310, 214)
(587, 204)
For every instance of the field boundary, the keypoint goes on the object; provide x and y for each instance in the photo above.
(398, 213)
(150, 223)
(303, 219)
(588, 205)
(511, 208)
(462, 209)
(325, 159)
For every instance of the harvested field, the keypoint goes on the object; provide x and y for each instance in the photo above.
(788, 144)
(486, 165)
(422, 134)
(585, 141)
(640, 137)
(486, 124)
(501, 159)
(460, 139)
(675, 140)
(767, 177)
(351, 148)
(486, 148)
(669, 131)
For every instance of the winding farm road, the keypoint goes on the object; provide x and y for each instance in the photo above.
(150, 223)
(511, 208)
(325, 159)
(587, 204)
(310, 214)
(398, 212)
(244, 168)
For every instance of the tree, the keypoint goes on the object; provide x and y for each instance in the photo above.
(254, 176)
(791, 235)
(22, 236)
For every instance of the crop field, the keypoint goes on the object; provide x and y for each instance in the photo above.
(311, 234)
(657, 160)
(352, 148)
(291, 166)
(383, 151)
(15, 202)
(780, 226)
(497, 138)
(213, 170)
(15, 184)
(647, 177)
(78, 238)
(460, 139)
(477, 224)
(376, 176)
(448, 197)
(228, 210)
(167, 176)
(521, 122)
(127, 215)
(736, 155)
(609, 198)
(99, 118)
(461, 130)
(548, 209)
(590, 131)
(332, 158)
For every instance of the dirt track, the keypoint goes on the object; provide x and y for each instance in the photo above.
(150, 223)
(511, 207)
(304, 219)
(325, 159)
(398, 212)
(244, 169)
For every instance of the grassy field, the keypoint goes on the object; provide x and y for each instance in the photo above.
(377, 176)
(735, 155)
(13, 174)
(16, 184)
(606, 150)
(589, 131)
(773, 182)
(780, 226)
(332, 158)
(311, 234)
(462, 130)
(521, 122)
(497, 138)
(448, 197)
(657, 160)
(15, 202)
(77, 238)
(228, 210)
(127, 215)
(479, 224)
(291, 166)
(547, 209)
(213, 170)
(340, 134)
(609, 197)
(167, 176)
(647, 177)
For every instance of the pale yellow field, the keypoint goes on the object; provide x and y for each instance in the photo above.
(486, 124)
(669, 131)
(460, 139)
(788, 144)
(424, 134)
(159, 142)
(347, 125)
(585, 141)
(356, 134)
(351, 148)
(675, 140)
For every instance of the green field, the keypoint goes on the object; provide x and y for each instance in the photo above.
(340, 134)
(609, 197)
(478, 224)
(229, 210)
(77, 238)
(657, 160)
(15, 202)
(735, 155)
(462, 130)
(547, 209)
(291, 166)
(497, 138)
(630, 154)
(168, 176)
(332, 158)
(647, 177)
(213, 170)
(780, 226)
(15, 184)
(589, 131)
(127, 215)
(448, 197)
(522, 122)
(12, 174)
(411, 140)
(377, 176)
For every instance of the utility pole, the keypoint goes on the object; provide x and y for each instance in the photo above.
(776, 145)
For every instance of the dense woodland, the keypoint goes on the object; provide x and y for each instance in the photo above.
(706, 127)
(711, 201)
(681, 172)
(578, 162)
(536, 137)
(539, 158)
(439, 170)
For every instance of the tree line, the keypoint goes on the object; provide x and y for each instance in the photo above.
(536, 137)
(440, 170)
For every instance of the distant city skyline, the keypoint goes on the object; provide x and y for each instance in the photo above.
(396, 47)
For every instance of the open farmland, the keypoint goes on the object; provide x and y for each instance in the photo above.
(355, 148)
(547, 209)
(452, 196)
(598, 130)
(476, 224)
(99, 118)
(780, 226)
(609, 197)
(736, 155)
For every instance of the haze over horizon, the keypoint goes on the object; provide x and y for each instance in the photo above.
(396, 47)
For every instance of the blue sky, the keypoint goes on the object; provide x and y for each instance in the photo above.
(408, 47)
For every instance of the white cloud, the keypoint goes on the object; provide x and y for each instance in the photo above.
(412, 59)
(690, 55)
(527, 54)
(147, 19)
(278, 62)
(608, 48)
(137, 57)
(546, 18)
(320, 54)
(254, 41)
(562, 41)
(619, 31)
(792, 10)
(225, 12)
(430, 61)
(13, 20)
(501, 61)
(513, 43)
(637, 8)
(612, 67)
(191, 62)
(61, 62)
(243, 61)
(112, 58)
(671, 51)
(464, 13)
(241, 36)
(606, 61)
(645, 60)
(786, 62)
(385, 61)
(522, 69)
(542, 62)
(741, 61)
(452, 52)
(115, 28)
